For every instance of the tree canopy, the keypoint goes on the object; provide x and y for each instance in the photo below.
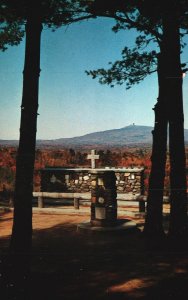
(142, 59)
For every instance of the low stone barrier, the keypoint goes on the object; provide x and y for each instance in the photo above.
(128, 180)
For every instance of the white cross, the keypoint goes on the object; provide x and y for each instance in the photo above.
(93, 157)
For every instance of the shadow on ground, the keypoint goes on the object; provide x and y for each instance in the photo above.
(69, 265)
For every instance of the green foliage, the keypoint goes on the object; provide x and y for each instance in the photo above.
(53, 14)
(102, 6)
(136, 63)
(11, 31)
(132, 69)
(146, 17)
(10, 34)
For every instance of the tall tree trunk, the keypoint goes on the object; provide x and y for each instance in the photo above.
(154, 218)
(17, 267)
(178, 197)
(22, 226)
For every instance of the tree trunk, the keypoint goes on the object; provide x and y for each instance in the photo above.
(178, 196)
(21, 239)
(16, 272)
(154, 218)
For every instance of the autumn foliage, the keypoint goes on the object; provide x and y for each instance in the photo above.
(114, 157)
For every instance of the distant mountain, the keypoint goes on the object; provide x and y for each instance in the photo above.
(115, 137)
(126, 136)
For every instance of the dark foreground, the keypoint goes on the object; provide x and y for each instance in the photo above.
(68, 265)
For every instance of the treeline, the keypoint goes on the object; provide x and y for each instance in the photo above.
(124, 157)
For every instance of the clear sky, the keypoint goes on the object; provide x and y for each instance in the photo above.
(70, 102)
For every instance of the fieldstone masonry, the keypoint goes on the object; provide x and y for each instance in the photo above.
(79, 180)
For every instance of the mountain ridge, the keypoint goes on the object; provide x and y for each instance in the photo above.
(125, 136)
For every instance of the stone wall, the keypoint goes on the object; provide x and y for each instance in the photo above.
(129, 181)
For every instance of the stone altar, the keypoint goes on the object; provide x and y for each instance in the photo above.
(129, 181)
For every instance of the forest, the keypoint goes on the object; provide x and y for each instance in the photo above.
(55, 157)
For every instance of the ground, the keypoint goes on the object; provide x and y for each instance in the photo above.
(70, 265)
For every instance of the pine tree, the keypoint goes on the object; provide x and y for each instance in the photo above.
(158, 22)
(32, 15)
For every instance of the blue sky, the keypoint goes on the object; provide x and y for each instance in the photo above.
(70, 102)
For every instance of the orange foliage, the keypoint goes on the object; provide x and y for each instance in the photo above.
(119, 157)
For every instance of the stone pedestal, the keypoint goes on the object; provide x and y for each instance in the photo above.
(104, 206)
(103, 198)
(40, 202)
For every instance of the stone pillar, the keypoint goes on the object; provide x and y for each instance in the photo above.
(40, 202)
(76, 203)
(103, 198)
(142, 207)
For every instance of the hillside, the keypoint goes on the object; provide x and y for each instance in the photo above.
(126, 136)
(116, 137)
